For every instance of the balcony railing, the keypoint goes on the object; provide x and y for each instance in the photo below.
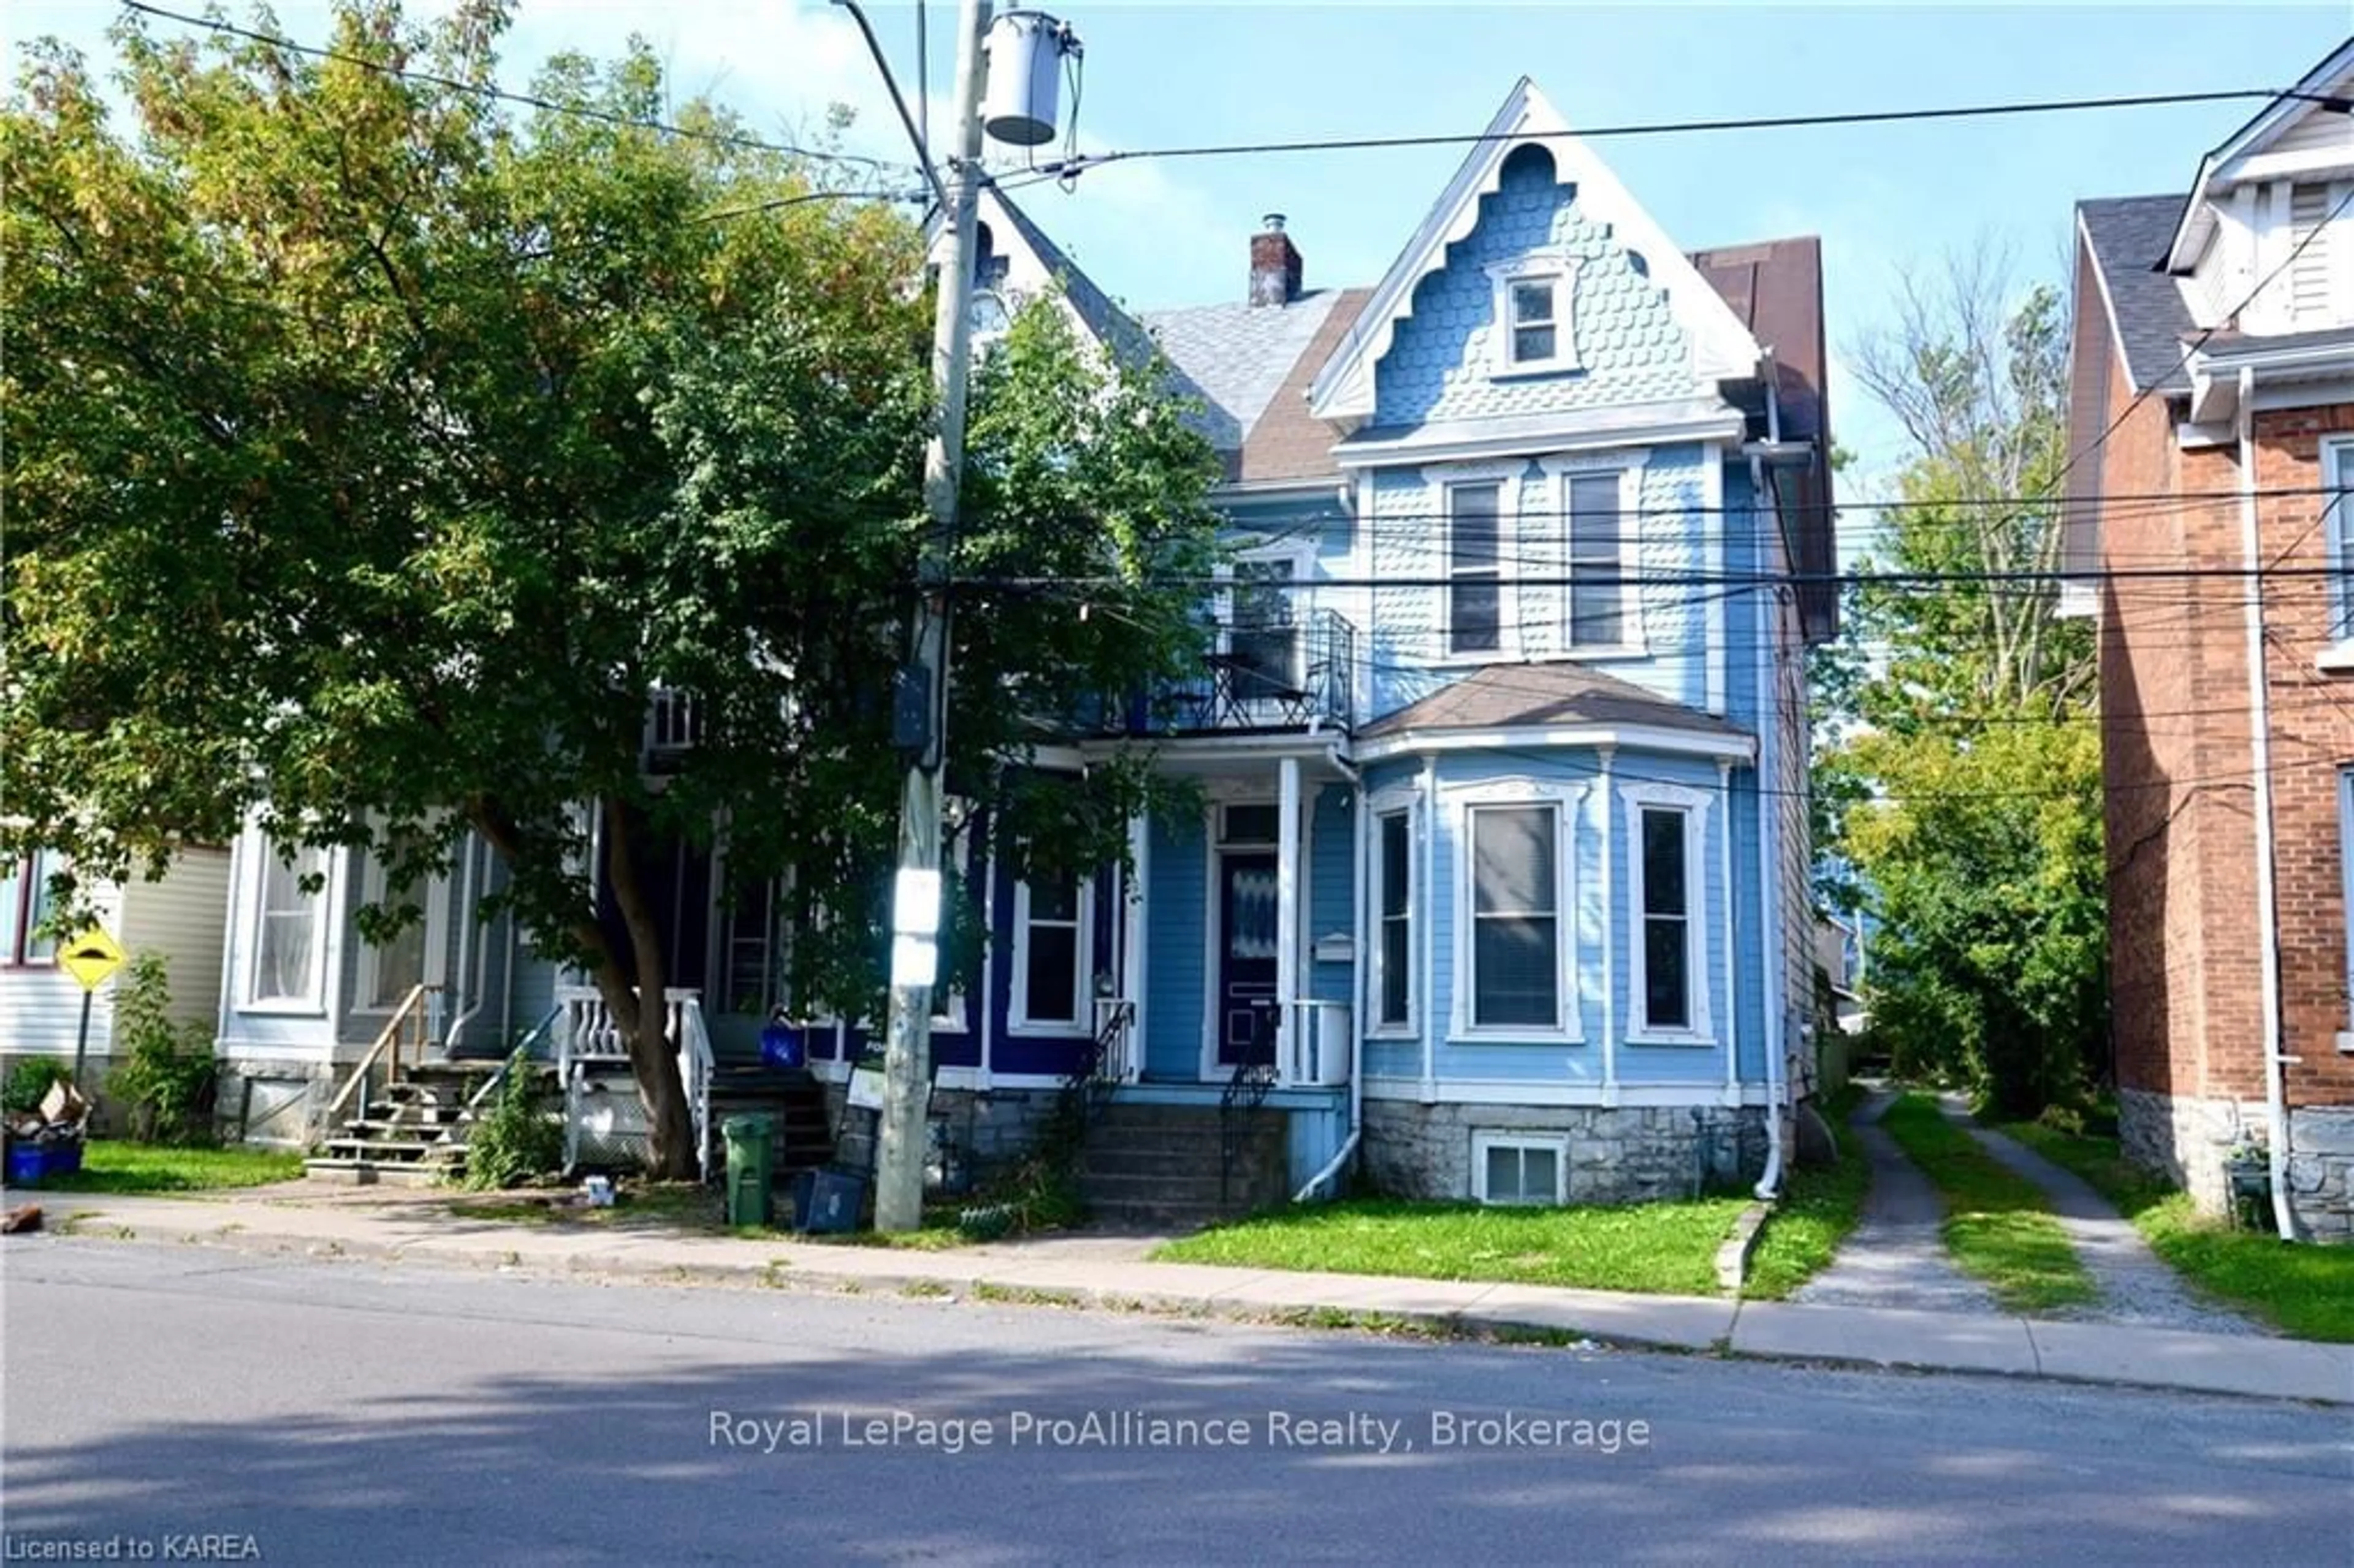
(1274, 674)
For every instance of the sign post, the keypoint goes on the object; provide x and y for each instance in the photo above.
(90, 957)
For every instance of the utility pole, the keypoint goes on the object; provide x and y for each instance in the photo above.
(916, 893)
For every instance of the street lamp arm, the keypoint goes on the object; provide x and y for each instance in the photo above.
(898, 101)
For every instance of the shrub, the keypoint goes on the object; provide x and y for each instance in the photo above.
(166, 1086)
(29, 1078)
(515, 1141)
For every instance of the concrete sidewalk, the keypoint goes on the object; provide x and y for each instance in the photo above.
(1104, 1271)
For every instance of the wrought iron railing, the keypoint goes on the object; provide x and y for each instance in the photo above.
(1246, 1090)
(1271, 674)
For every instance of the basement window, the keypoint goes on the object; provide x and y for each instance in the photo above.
(1517, 1169)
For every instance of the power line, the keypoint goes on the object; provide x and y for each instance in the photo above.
(1063, 168)
(503, 95)
(2343, 106)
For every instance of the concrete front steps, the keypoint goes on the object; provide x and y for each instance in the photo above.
(1161, 1165)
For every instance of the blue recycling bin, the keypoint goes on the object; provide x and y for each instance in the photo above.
(783, 1048)
(828, 1202)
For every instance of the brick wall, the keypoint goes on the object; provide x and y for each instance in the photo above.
(2186, 945)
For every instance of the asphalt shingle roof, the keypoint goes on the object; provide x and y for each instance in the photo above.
(1521, 695)
(2128, 238)
(1239, 355)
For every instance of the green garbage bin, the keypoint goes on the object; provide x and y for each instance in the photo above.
(751, 1148)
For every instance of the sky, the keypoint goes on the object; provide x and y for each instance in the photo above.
(1889, 202)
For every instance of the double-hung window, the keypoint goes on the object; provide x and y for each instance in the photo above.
(1515, 910)
(1536, 333)
(1667, 920)
(1668, 912)
(391, 970)
(1535, 302)
(1474, 595)
(1394, 950)
(24, 905)
(1050, 968)
(1598, 593)
(289, 944)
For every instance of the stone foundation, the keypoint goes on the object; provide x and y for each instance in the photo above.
(277, 1102)
(1621, 1154)
(2321, 1170)
(2187, 1138)
(977, 1134)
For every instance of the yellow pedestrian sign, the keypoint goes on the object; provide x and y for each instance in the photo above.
(91, 958)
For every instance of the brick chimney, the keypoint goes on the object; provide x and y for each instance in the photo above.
(1275, 265)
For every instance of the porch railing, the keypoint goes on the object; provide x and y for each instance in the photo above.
(1269, 675)
(1315, 1048)
(409, 1029)
(590, 1043)
(1113, 1058)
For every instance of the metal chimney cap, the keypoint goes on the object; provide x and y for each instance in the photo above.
(1274, 222)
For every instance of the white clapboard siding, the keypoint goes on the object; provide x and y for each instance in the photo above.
(40, 1004)
(184, 918)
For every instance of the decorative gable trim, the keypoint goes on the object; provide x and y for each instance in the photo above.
(1721, 347)
(2231, 161)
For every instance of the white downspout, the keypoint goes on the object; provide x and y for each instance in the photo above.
(1430, 942)
(1732, 961)
(2252, 594)
(1769, 838)
(1359, 993)
(465, 948)
(1287, 918)
(1140, 854)
(1610, 927)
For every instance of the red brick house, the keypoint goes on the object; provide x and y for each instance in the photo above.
(2211, 413)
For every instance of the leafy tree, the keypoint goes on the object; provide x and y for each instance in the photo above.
(1958, 770)
(373, 453)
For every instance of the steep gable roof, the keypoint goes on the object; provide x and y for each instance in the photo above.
(2292, 116)
(2149, 319)
(1239, 354)
(1722, 348)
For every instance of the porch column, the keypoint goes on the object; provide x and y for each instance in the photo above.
(1132, 941)
(1286, 906)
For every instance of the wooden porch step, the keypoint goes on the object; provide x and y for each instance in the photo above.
(368, 1172)
(404, 1150)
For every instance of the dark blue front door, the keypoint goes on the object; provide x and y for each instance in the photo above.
(1246, 933)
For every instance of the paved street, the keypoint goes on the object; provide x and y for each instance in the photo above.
(362, 1413)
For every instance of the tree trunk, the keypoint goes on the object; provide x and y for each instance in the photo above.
(645, 1015)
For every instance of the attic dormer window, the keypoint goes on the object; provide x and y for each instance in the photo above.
(1536, 322)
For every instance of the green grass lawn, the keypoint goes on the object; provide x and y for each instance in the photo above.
(2308, 1291)
(1999, 1226)
(1662, 1247)
(111, 1166)
(1817, 1209)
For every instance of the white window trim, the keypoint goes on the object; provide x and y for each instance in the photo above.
(2337, 455)
(1019, 1023)
(1509, 476)
(1555, 1143)
(432, 896)
(2345, 890)
(1566, 799)
(952, 1020)
(313, 1003)
(1302, 554)
(1693, 804)
(1560, 267)
(1629, 463)
(1396, 801)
